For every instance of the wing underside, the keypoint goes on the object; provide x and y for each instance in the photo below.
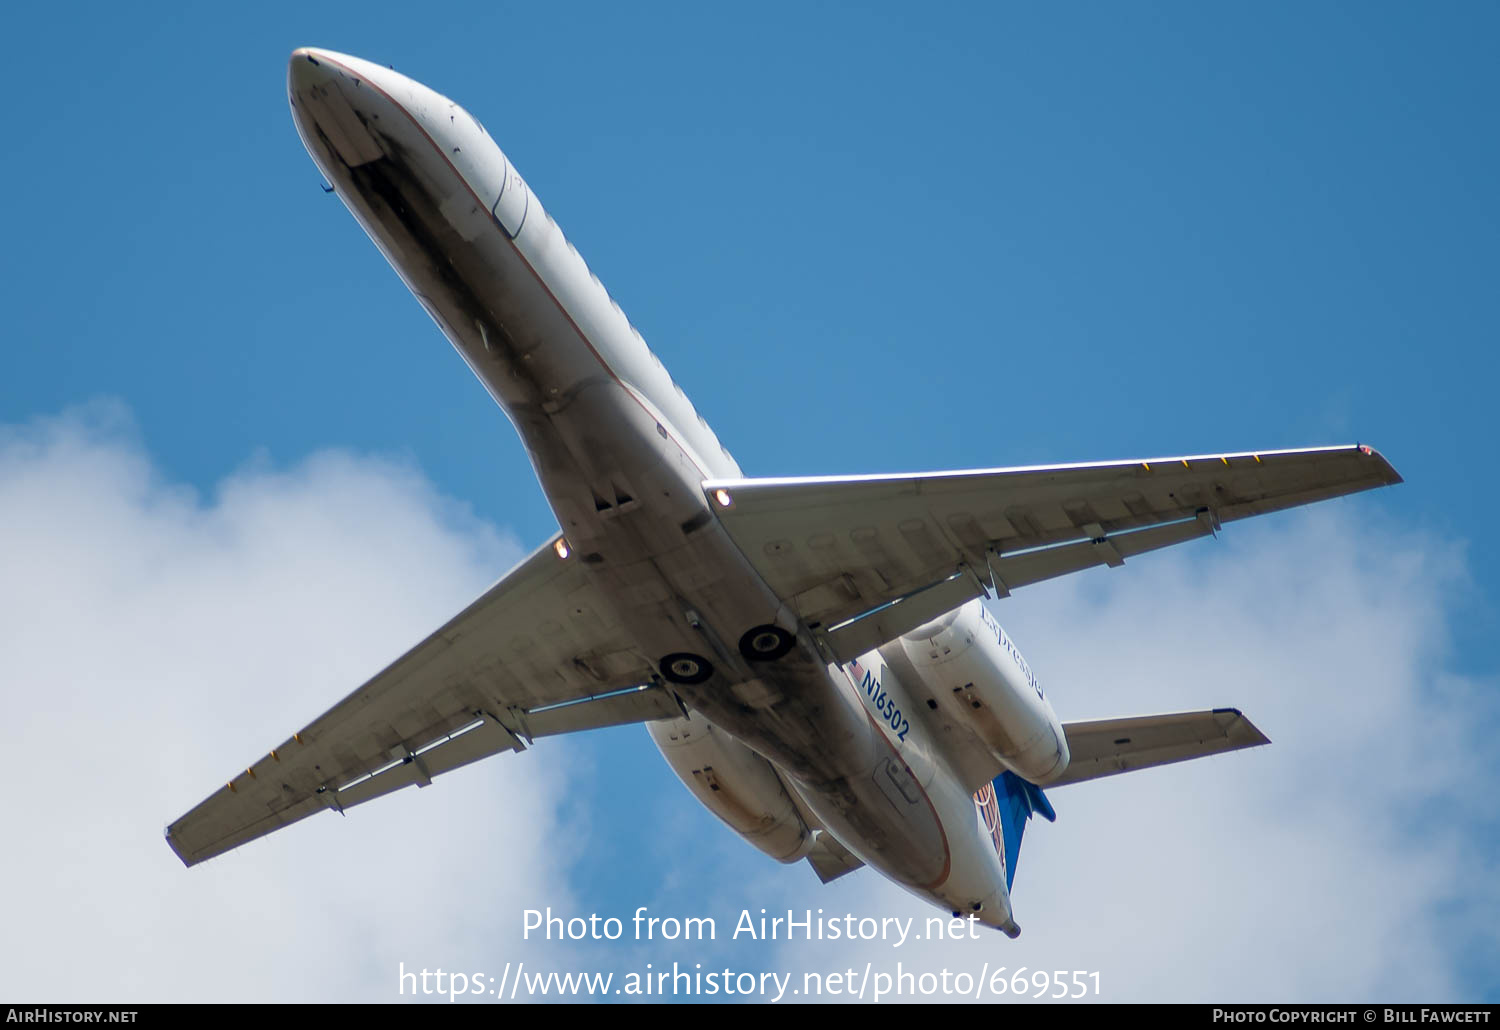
(535, 655)
(864, 559)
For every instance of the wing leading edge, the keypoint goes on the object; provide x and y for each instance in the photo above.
(535, 655)
(863, 559)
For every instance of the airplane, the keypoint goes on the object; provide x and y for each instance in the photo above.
(812, 656)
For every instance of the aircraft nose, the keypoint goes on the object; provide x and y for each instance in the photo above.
(308, 67)
(311, 66)
(336, 99)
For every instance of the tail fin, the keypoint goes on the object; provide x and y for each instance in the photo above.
(1006, 805)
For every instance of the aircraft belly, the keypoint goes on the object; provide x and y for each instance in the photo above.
(622, 492)
(477, 288)
(620, 464)
(680, 585)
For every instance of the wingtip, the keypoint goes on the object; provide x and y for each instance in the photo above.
(187, 861)
(1389, 475)
(1241, 727)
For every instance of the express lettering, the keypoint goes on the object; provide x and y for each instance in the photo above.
(1010, 649)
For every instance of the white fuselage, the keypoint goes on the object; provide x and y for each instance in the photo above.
(622, 456)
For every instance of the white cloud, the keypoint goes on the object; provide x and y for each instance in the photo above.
(152, 641)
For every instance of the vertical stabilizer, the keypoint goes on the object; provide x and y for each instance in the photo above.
(1006, 805)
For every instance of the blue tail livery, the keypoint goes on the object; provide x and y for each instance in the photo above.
(1006, 805)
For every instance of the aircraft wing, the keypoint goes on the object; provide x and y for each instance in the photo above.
(1106, 747)
(535, 655)
(842, 550)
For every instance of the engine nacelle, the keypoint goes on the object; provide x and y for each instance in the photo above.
(735, 784)
(978, 676)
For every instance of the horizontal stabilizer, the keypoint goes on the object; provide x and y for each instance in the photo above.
(1104, 747)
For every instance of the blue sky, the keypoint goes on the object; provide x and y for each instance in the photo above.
(863, 240)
